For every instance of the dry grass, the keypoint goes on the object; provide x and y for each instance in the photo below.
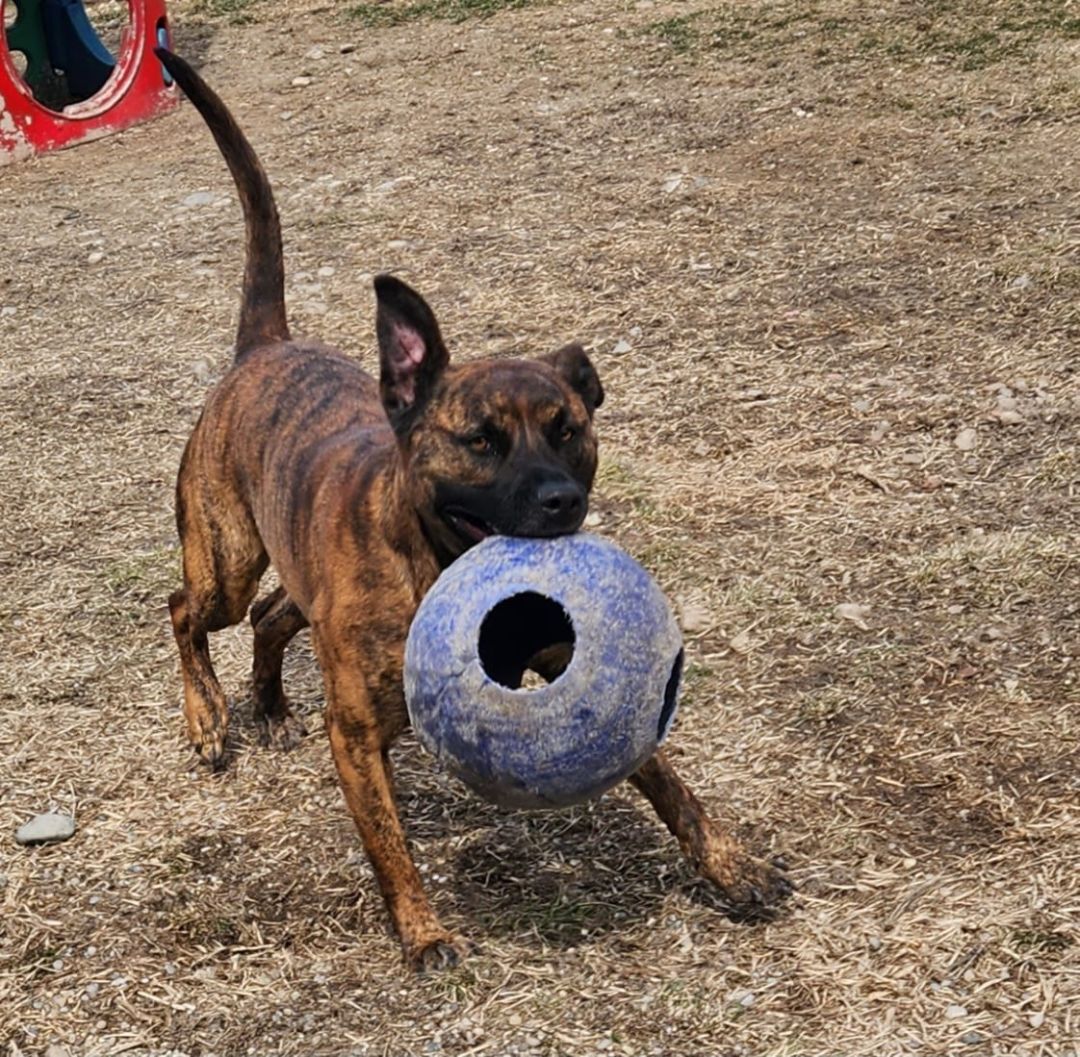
(809, 247)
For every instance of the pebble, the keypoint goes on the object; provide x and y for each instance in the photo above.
(620, 347)
(1036, 1020)
(198, 198)
(8, 310)
(96, 257)
(326, 271)
(854, 612)
(301, 82)
(46, 829)
(747, 1000)
(971, 1038)
(1009, 418)
(965, 439)
(877, 434)
(347, 49)
(315, 53)
(955, 1012)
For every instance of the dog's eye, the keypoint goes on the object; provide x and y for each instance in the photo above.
(480, 444)
(567, 434)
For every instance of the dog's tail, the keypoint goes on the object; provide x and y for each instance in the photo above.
(262, 309)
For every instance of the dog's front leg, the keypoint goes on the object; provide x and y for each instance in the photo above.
(358, 742)
(748, 885)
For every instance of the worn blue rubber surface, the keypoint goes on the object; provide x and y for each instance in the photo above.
(592, 726)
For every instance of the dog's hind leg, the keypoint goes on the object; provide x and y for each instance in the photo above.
(276, 619)
(223, 560)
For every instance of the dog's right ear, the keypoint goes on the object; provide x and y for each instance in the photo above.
(411, 350)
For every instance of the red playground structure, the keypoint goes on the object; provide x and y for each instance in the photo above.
(67, 87)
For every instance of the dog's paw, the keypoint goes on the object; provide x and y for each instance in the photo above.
(748, 889)
(208, 740)
(444, 951)
(281, 732)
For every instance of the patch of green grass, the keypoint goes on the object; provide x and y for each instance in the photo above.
(991, 569)
(396, 14)
(1038, 940)
(964, 35)
(144, 577)
(679, 32)
(619, 482)
(235, 11)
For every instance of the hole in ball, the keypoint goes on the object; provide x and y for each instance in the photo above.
(526, 641)
(671, 698)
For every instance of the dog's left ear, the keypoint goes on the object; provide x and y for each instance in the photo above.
(411, 350)
(576, 368)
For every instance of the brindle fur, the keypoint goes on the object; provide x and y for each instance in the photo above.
(348, 486)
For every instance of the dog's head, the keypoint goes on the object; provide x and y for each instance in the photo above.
(495, 447)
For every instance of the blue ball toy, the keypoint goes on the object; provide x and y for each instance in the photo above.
(578, 611)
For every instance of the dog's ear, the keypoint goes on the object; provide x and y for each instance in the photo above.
(411, 350)
(576, 368)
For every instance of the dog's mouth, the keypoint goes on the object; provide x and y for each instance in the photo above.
(468, 526)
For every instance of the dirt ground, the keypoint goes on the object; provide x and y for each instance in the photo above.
(827, 258)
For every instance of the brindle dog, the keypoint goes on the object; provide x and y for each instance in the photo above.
(360, 492)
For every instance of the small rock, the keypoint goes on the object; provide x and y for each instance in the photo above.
(877, 434)
(673, 183)
(749, 395)
(49, 828)
(741, 643)
(747, 1000)
(874, 943)
(199, 198)
(398, 244)
(1036, 1020)
(694, 615)
(593, 520)
(95, 258)
(854, 612)
(1021, 282)
(971, 1038)
(955, 1012)
(315, 53)
(326, 271)
(301, 82)
(965, 439)
(347, 49)
(620, 347)
(1009, 418)
(8, 310)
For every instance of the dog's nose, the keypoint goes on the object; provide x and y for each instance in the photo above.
(563, 503)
